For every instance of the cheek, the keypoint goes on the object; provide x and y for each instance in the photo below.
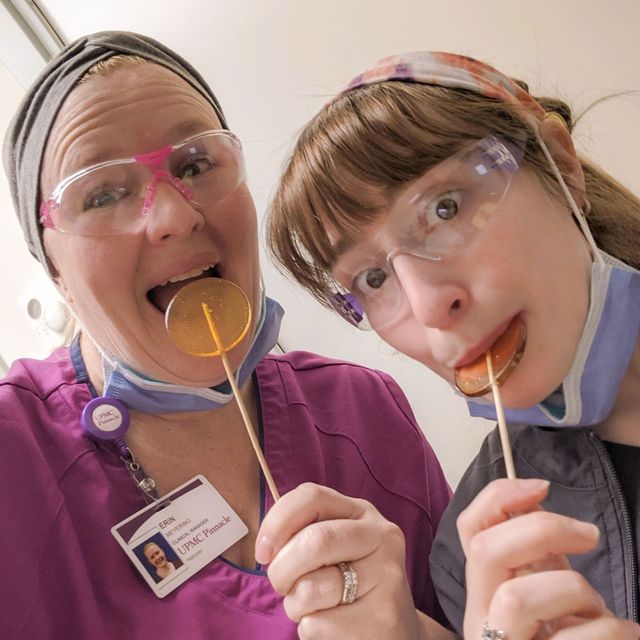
(409, 338)
(89, 270)
(235, 211)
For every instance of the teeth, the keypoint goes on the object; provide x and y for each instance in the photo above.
(189, 274)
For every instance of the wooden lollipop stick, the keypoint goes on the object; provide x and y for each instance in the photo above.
(241, 405)
(502, 423)
(548, 628)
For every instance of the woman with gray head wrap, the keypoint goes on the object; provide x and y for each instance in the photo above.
(129, 185)
(26, 139)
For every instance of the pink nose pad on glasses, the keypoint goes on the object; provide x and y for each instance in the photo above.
(153, 160)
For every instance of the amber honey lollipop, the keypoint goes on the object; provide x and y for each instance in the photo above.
(209, 317)
(473, 379)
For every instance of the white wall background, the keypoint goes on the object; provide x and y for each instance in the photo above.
(272, 63)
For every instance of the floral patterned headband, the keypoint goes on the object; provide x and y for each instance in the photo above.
(446, 70)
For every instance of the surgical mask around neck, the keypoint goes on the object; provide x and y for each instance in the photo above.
(609, 339)
(140, 393)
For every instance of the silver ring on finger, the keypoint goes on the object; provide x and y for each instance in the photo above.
(349, 582)
(489, 633)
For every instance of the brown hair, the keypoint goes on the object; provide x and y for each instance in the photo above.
(357, 152)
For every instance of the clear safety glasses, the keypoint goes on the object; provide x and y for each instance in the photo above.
(116, 196)
(436, 217)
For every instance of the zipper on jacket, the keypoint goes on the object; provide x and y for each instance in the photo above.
(629, 545)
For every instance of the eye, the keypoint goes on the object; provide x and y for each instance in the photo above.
(104, 198)
(194, 167)
(369, 281)
(445, 207)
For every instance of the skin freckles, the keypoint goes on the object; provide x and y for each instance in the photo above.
(106, 279)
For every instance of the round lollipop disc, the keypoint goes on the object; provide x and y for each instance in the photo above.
(187, 323)
(506, 353)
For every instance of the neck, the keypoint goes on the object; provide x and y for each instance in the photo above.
(92, 361)
(622, 424)
(174, 447)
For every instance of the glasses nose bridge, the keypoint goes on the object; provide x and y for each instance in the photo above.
(399, 250)
(154, 159)
(155, 162)
(406, 279)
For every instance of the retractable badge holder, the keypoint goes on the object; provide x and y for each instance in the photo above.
(106, 419)
(192, 525)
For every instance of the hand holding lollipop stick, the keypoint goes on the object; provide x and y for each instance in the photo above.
(476, 379)
(209, 317)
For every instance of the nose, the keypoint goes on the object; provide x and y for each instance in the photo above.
(170, 213)
(435, 298)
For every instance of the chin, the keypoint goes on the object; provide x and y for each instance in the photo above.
(522, 395)
(198, 371)
(197, 374)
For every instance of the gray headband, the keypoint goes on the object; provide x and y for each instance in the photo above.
(27, 135)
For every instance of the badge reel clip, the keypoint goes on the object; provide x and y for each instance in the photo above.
(106, 419)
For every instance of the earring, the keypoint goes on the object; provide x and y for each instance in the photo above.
(586, 207)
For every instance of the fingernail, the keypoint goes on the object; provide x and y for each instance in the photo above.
(533, 484)
(264, 550)
(586, 530)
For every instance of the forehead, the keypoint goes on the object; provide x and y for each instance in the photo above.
(129, 111)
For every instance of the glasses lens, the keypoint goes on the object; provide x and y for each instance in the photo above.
(450, 205)
(375, 294)
(104, 200)
(109, 199)
(211, 166)
(437, 217)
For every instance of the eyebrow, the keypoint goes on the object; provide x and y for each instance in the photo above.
(341, 247)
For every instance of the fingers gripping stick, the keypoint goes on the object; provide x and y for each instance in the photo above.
(553, 561)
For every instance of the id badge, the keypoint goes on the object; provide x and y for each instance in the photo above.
(171, 540)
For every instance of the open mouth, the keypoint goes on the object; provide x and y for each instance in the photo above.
(161, 295)
(506, 352)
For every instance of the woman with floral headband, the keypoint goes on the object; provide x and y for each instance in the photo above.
(437, 202)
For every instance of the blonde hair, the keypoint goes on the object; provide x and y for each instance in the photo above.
(108, 66)
(352, 158)
(150, 544)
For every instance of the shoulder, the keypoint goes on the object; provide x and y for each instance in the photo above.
(314, 379)
(39, 378)
(360, 415)
(40, 404)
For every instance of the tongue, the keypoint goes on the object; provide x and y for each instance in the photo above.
(162, 295)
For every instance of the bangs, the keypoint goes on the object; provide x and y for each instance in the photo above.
(353, 158)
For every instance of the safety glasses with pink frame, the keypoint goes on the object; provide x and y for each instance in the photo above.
(116, 196)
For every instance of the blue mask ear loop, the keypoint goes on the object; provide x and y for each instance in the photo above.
(106, 419)
(577, 214)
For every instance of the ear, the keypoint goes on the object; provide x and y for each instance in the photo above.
(556, 136)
